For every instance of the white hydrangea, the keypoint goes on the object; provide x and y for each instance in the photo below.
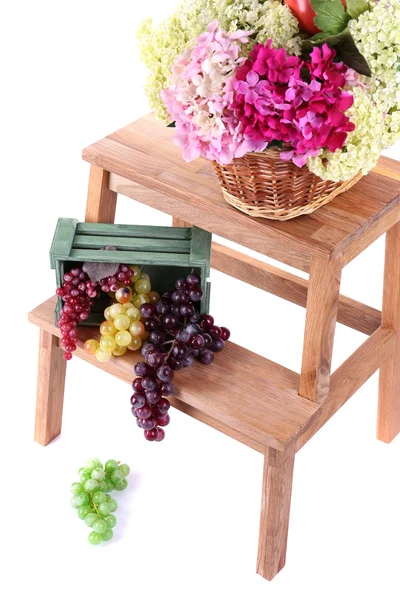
(363, 146)
(160, 44)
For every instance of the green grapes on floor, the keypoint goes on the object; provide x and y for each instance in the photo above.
(91, 500)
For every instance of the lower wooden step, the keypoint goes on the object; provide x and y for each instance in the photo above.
(242, 394)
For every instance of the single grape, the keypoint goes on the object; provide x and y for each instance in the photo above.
(135, 344)
(81, 499)
(125, 469)
(150, 435)
(94, 538)
(99, 497)
(187, 310)
(138, 400)
(215, 332)
(89, 465)
(111, 465)
(76, 488)
(124, 295)
(119, 350)
(193, 280)
(103, 486)
(149, 423)
(181, 284)
(107, 535)
(140, 299)
(74, 503)
(104, 508)
(142, 286)
(153, 396)
(207, 340)
(90, 346)
(160, 434)
(117, 475)
(83, 511)
(170, 321)
(108, 343)
(98, 474)
(153, 297)
(164, 373)
(168, 389)
(136, 328)
(90, 519)
(183, 336)
(155, 359)
(206, 356)
(144, 412)
(217, 345)
(187, 361)
(115, 310)
(102, 355)
(99, 526)
(196, 294)
(137, 384)
(149, 383)
(123, 338)
(147, 310)
(133, 313)
(84, 477)
(91, 485)
(122, 322)
(164, 420)
(113, 504)
(111, 521)
(180, 351)
(164, 405)
(162, 307)
(157, 337)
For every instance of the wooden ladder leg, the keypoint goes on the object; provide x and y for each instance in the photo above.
(322, 307)
(101, 201)
(275, 510)
(389, 376)
(50, 389)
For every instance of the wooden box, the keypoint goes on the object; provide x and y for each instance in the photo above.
(165, 253)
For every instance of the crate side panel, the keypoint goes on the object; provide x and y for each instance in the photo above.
(62, 240)
(93, 242)
(129, 257)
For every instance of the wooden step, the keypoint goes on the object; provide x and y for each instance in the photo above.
(242, 394)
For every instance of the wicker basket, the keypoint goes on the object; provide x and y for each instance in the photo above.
(261, 184)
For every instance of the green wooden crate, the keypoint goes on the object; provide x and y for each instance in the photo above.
(165, 253)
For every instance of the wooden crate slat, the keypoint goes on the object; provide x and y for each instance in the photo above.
(201, 245)
(62, 239)
(93, 242)
(132, 231)
(134, 258)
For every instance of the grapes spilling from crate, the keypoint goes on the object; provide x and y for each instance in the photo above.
(178, 335)
(122, 328)
(91, 498)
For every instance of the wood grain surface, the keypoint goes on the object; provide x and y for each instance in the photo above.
(156, 175)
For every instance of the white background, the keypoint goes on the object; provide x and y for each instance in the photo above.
(188, 523)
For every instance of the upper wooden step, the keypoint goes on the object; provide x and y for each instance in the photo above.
(147, 166)
(250, 398)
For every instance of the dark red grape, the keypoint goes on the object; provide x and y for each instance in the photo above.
(153, 396)
(137, 384)
(197, 342)
(181, 284)
(193, 280)
(187, 361)
(187, 310)
(155, 359)
(206, 321)
(141, 369)
(147, 310)
(149, 383)
(150, 324)
(195, 317)
(179, 351)
(144, 412)
(215, 332)
(138, 400)
(168, 388)
(183, 336)
(176, 310)
(149, 423)
(164, 373)
(196, 294)
(217, 345)
(206, 356)
(170, 321)
(164, 405)
(157, 337)
(160, 434)
(207, 340)
(163, 421)
(151, 435)
(225, 334)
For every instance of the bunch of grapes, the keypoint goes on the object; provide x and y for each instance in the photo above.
(178, 334)
(78, 293)
(94, 505)
(123, 328)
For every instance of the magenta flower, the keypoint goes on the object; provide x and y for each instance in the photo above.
(303, 104)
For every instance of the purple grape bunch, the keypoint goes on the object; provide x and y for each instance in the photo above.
(178, 334)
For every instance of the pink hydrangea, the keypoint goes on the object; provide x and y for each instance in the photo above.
(199, 96)
(300, 103)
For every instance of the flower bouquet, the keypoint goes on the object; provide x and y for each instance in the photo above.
(292, 101)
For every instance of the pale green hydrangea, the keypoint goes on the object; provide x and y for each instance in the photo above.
(160, 44)
(376, 109)
(363, 146)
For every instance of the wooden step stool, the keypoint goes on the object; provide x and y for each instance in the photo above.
(141, 162)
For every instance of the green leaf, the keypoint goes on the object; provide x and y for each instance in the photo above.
(355, 8)
(276, 144)
(330, 15)
(345, 48)
(171, 124)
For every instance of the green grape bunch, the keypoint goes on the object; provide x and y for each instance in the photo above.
(91, 496)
